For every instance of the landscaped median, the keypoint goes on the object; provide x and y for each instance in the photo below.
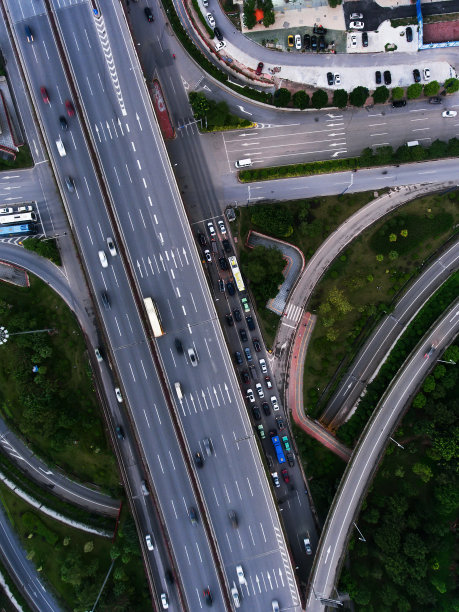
(384, 156)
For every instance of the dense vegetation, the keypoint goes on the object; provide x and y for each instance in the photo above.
(214, 115)
(264, 269)
(409, 519)
(382, 156)
(55, 409)
(46, 248)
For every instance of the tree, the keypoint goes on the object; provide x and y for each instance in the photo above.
(263, 267)
(392, 237)
(423, 471)
(268, 13)
(414, 91)
(358, 96)
(199, 104)
(398, 93)
(393, 255)
(451, 85)
(274, 220)
(414, 546)
(300, 99)
(282, 97)
(431, 88)
(340, 98)
(380, 257)
(249, 14)
(429, 384)
(404, 233)
(381, 94)
(319, 99)
(419, 401)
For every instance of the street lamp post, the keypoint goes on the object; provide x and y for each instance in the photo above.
(5, 334)
(395, 442)
(361, 538)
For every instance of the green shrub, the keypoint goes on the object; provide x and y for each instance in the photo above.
(381, 95)
(432, 88)
(319, 99)
(300, 99)
(358, 96)
(340, 98)
(451, 85)
(398, 93)
(414, 91)
(282, 97)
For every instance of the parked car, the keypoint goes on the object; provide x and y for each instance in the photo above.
(307, 41)
(290, 41)
(398, 103)
(353, 41)
(219, 45)
(356, 25)
(330, 78)
(259, 69)
(416, 76)
(387, 77)
(409, 34)
(337, 79)
(298, 42)
(435, 100)
(313, 43)
(426, 74)
(378, 77)
(321, 42)
(364, 39)
(210, 20)
(356, 17)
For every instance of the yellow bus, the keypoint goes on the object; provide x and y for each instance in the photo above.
(236, 273)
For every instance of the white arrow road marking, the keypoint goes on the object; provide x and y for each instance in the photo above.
(334, 116)
(96, 129)
(205, 400)
(242, 109)
(138, 121)
(151, 265)
(336, 153)
(326, 556)
(228, 393)
(281, 577)
(139, 267)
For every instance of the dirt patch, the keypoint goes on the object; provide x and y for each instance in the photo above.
(442, 31)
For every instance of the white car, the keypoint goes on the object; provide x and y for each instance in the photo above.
(275, 478)
(193, 357)
(356, 17)
(274, 403)
(208, 256)
(298, 44)
(235, 594)
(449, 113)
(353, 40)
(210, 19)
(337, 79)
(275, 605)
(240, 574)
(205, 3)
(263, 367)
(119, 397)
(6, 211)
(221, 226)
(22, 209)
(250, 396)
(111, 246)
(426, 74)
(211, 228)
(356, 25)
(149, 542)
(219, 45)
(98, 355)
(164, 601)
(259, 389)
(103, 259)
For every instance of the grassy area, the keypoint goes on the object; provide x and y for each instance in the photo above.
(76, 563)
(307, 223)
(23, 160)
(55, 409)
(363, 281)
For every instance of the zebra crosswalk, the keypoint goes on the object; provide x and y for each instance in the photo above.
(292, 314)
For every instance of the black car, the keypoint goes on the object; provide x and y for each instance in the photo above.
(237, 315)
(245, 376)
(229, 319)
(178, 345)
(230, 288)
(307, 41)
(318, 29)
(313, 43)
(250, 323)
(233, 518)
(378, 77)
(321, 43)
(208, 597)
(364, 39)
(64, 124)
(243, 335)
(202, 239)
(198, 459)
(256, 413)
(330, 78)
(416, 76)
(290, 459)
(218, 34)
(148, 14)
(435, 100)
(119, 432)
(398, 103)
(238, 358)
(387, 77)
(169, 576)
(227, 246)
(409, 34)
(256, 344)
(223, 263)
(266, 408)
(105, 299)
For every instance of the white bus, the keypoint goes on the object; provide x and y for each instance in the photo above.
(29, 217)
(153, 315)
(236, 273)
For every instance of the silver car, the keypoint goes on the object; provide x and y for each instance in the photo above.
(193, 357)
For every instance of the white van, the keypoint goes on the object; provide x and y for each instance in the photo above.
(60, 148)
(243, 163)
(178, 390)
(412, 143)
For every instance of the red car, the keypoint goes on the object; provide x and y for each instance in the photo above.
(69, 107)
(44, 95)
(285, 475)
(259, 68)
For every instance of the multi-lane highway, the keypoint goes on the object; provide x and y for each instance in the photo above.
(152, 223)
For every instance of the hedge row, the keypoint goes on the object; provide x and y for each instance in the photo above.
(368, 159)
(426, 317)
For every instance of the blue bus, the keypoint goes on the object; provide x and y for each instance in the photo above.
(17, 230)
(278, 449)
